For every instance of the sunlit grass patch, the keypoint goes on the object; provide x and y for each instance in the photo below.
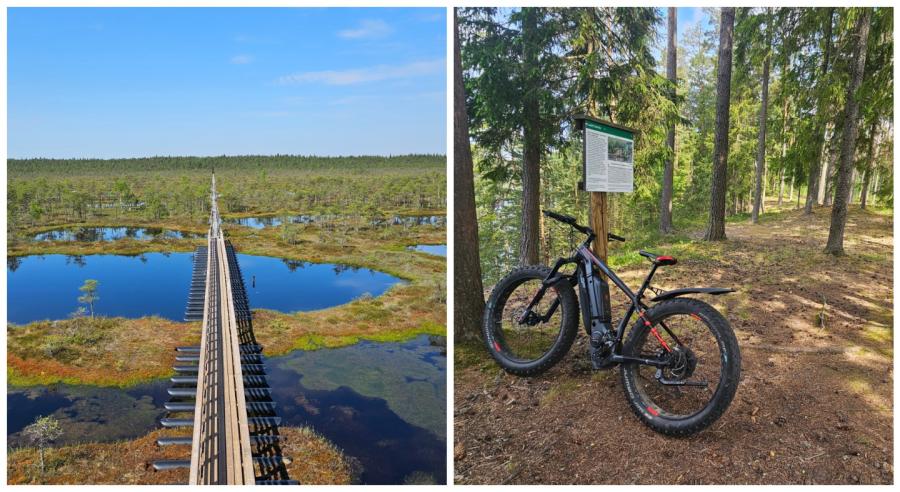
(559, 391)
(881, 336)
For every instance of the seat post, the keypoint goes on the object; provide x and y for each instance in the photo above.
(640, 292)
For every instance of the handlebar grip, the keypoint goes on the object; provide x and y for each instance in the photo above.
(615, 237)
(566, 219)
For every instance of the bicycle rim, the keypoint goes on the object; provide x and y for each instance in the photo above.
(524, 342)
(697, 357)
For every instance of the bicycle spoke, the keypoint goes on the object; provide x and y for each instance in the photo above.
(695, 357)
(529, 340)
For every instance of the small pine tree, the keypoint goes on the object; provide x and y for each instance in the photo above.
(42, 433)
(90, 294)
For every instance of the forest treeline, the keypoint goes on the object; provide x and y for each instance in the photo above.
(243, 163)
(757, 107)
(78, 190)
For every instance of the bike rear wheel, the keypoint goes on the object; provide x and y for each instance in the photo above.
(529, 348)
(701, 348)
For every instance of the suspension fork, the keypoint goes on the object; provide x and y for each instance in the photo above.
(528, 316)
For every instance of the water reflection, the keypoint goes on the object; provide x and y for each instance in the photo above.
(395, 220)
(383, 404)
(92, 234)
(432, 249)
(46, 287)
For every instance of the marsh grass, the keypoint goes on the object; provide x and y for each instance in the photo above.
(315, 461)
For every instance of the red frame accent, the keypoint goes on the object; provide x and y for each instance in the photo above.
(497, 346)
(653, 411)
(663, 342)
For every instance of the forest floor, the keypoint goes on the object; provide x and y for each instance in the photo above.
(315, 461)
(121, 353)
(815, 401)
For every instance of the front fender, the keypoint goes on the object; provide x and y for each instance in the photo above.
(669, 294)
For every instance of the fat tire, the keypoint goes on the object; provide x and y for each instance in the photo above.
(568, 329)
(721, 329)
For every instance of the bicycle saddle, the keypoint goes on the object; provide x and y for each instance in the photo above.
(658, 260)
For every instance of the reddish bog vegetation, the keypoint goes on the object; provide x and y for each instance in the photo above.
(815, 401)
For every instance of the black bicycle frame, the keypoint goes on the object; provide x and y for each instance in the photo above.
(594, 300)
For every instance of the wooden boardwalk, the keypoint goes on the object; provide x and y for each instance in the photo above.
(235, 431)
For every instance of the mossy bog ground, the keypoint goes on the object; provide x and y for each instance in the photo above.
(315, 461)
(815, 402)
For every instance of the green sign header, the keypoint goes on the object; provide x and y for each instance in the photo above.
(609, 130)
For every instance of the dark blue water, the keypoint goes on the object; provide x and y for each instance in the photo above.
(87, 413)
(432, 249)
(396, 220)
(254, 222)
(91, 234)
(383, 404)
(290, 285)
(46, 287)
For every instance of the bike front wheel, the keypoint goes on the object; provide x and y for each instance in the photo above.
(530, 348)
(699, 381)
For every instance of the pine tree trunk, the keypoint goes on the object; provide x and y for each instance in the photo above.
(531, 172)
(835, 244)
(716, 228)
(819, 132)
(761, 146)
(823, 173)
(875, 188)
(863, 194)
(853, 179)
(829, 181)
(665, 207)
(781, 187)
(468, 292)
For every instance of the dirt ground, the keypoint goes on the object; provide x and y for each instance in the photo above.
(814, 405)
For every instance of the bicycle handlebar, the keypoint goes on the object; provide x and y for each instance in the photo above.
(565, 219)
(568, 219)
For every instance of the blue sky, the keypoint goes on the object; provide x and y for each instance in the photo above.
(688, 17)
(101, 82)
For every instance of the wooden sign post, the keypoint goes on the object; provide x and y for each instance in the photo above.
(607, 166)
(600, 224)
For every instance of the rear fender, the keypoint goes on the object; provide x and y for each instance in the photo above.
(671, 294)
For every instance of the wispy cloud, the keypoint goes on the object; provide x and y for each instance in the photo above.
(241, 59)
(368, 29)
(362, 75)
